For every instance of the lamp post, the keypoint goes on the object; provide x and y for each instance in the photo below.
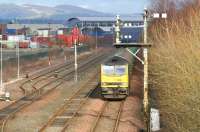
(17, 40)
(2, 85)
(48, 44)
(75, 62)
(96, 36)
(18, 65)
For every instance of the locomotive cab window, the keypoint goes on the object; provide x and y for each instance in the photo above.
(120, 70)
(108, 70)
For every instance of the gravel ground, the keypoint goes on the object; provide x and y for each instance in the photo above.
(16, 92)
(31, 118)
(34, 116)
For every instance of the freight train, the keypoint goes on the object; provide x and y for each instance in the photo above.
(116, 75)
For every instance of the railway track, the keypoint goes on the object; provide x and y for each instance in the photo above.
(62, 118)
(32, 82)
(10, 111)
(101, 115)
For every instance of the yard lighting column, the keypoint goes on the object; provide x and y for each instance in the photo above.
(75, 62)
(18, 68)
(48, 44)
(96, 36)
(2, 86)
(17, 40)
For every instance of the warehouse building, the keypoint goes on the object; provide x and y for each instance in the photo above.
(105, 23)
(102, 26)
(33, 29)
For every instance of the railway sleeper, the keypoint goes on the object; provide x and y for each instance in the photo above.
(59, 122)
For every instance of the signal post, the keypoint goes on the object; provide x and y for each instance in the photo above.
(145, 47)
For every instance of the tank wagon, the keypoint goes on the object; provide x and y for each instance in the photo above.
(115, 75)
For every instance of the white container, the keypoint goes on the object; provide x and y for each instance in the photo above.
(16, 38)
(60, 32)
(33, 45)
(43, 33)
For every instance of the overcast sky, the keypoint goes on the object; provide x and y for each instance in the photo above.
(110, 6)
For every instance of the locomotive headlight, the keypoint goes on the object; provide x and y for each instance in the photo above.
(103, 83)
(124, 83)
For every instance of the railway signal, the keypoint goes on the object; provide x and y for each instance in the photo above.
(117, 30)
(145, 45)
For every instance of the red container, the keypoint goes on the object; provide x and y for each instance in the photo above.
(23, 44)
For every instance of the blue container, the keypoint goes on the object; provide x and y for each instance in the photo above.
(11, 31)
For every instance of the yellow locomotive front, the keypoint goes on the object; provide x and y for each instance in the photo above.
(115, 80)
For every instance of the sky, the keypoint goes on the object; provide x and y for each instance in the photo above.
(109, 6)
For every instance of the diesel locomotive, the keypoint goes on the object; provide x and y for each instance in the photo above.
(115, 76)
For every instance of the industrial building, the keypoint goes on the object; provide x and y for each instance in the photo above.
(105, 23)
(102, 26)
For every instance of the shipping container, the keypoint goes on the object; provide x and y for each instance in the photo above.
(16, 38)
(23, 44)
(33, 45)
(10, 44)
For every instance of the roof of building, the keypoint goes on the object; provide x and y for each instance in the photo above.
(35, 26)
(111, 19)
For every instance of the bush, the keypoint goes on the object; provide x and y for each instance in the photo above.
(175, 68)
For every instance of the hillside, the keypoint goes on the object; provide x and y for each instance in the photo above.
(12, 11)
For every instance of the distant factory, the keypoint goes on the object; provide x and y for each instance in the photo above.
(101, 26)
(44, 35)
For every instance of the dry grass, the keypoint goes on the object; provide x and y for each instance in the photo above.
(175, 69)
(29, 65)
